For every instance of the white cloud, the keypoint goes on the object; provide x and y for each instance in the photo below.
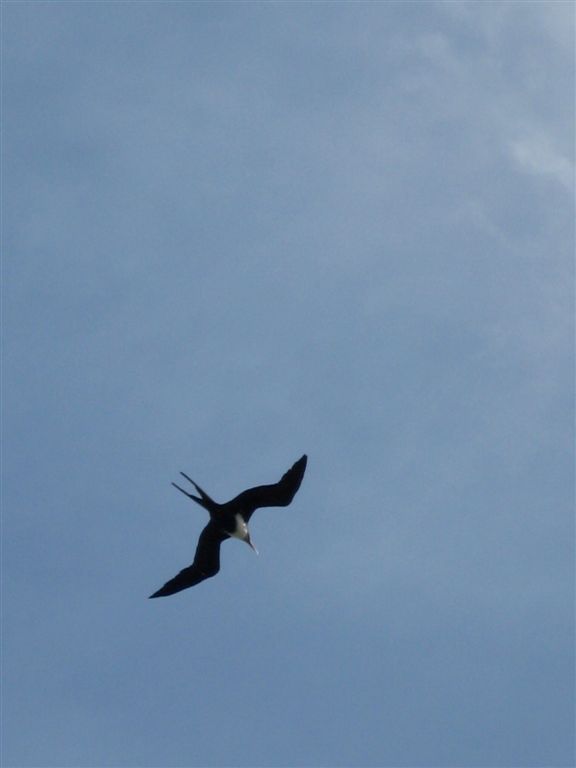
(536, 155)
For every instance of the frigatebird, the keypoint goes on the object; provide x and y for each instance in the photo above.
(230, 520)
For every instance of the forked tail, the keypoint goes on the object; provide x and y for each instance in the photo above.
(203, 499)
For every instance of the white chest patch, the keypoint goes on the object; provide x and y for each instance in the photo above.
(241, 531)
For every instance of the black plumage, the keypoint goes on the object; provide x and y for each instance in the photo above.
(230, 520)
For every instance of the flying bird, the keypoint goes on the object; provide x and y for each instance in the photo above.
(230, 520)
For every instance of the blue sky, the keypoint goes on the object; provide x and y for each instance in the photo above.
(238, 232)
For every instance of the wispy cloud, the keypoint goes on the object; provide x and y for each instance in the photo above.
(242, 231)
(536, 155)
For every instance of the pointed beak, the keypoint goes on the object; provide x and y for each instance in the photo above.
(249, 542)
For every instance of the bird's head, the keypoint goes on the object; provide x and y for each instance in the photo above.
(242, 532)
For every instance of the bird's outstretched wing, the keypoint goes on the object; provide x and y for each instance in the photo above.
(206, 562)
(279, 494)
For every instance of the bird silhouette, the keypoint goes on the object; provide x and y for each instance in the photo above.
(230, 520)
